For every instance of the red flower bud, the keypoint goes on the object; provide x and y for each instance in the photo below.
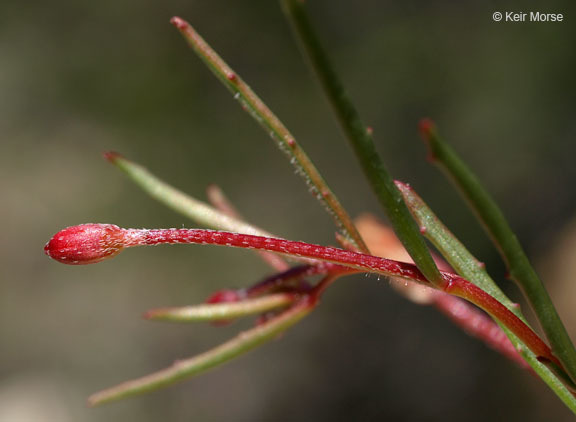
(85, 244)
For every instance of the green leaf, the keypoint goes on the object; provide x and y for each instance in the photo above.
(180, 202)
(274, 127)
(495, 224)
(361, 141)
(186, 368)
(221, 311)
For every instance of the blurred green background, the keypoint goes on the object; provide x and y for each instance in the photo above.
(79, 78)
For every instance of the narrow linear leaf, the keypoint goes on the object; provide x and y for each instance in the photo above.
(221, 311)
(184, 204)
(459, 258)
(465, 264)
(186, 368)
(361, 141)
(494, 222)
(221, 202)
(274, 127)
(178, 201)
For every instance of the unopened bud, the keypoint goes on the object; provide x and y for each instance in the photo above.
(85, 244)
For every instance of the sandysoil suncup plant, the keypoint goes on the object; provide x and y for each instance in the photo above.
(304, 271)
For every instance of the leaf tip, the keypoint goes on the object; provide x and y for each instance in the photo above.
(112, 156)
(93, 401)
(427, 128)
(179, 23)
(402, 186)
(151, 314)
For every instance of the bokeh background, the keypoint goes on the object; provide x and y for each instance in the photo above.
(78, 78)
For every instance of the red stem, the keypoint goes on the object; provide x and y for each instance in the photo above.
(478, 325)
(291, 277)
(220, 202)
(68, 246)
(451, 283)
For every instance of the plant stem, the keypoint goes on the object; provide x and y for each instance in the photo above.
(468, 267)
(95, 242)
(293, 277)
(273, 126)
(219, 200)
(361, 141)
(184, 204)
(450, 282)
(477, 324)
(463, 262)
(507, 243)
(185, 368)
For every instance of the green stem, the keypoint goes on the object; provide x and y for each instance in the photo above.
(185, 368)
(505, 240)
(459, 258)
(277, 131)
(361, 141)
(471, 269)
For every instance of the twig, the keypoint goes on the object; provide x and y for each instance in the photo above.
(507, 243)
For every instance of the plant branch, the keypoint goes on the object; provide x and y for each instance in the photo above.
(381, 240)
(293, 277)
(470, 268)
(459, 258)
(278, 132)
(507, 243)
(94, 242)
(221, 202)
(479, 325)
(184, 204)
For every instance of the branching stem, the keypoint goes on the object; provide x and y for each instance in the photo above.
(102, 241)
(506, 241)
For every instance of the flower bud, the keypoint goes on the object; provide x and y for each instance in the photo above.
(85, 244)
